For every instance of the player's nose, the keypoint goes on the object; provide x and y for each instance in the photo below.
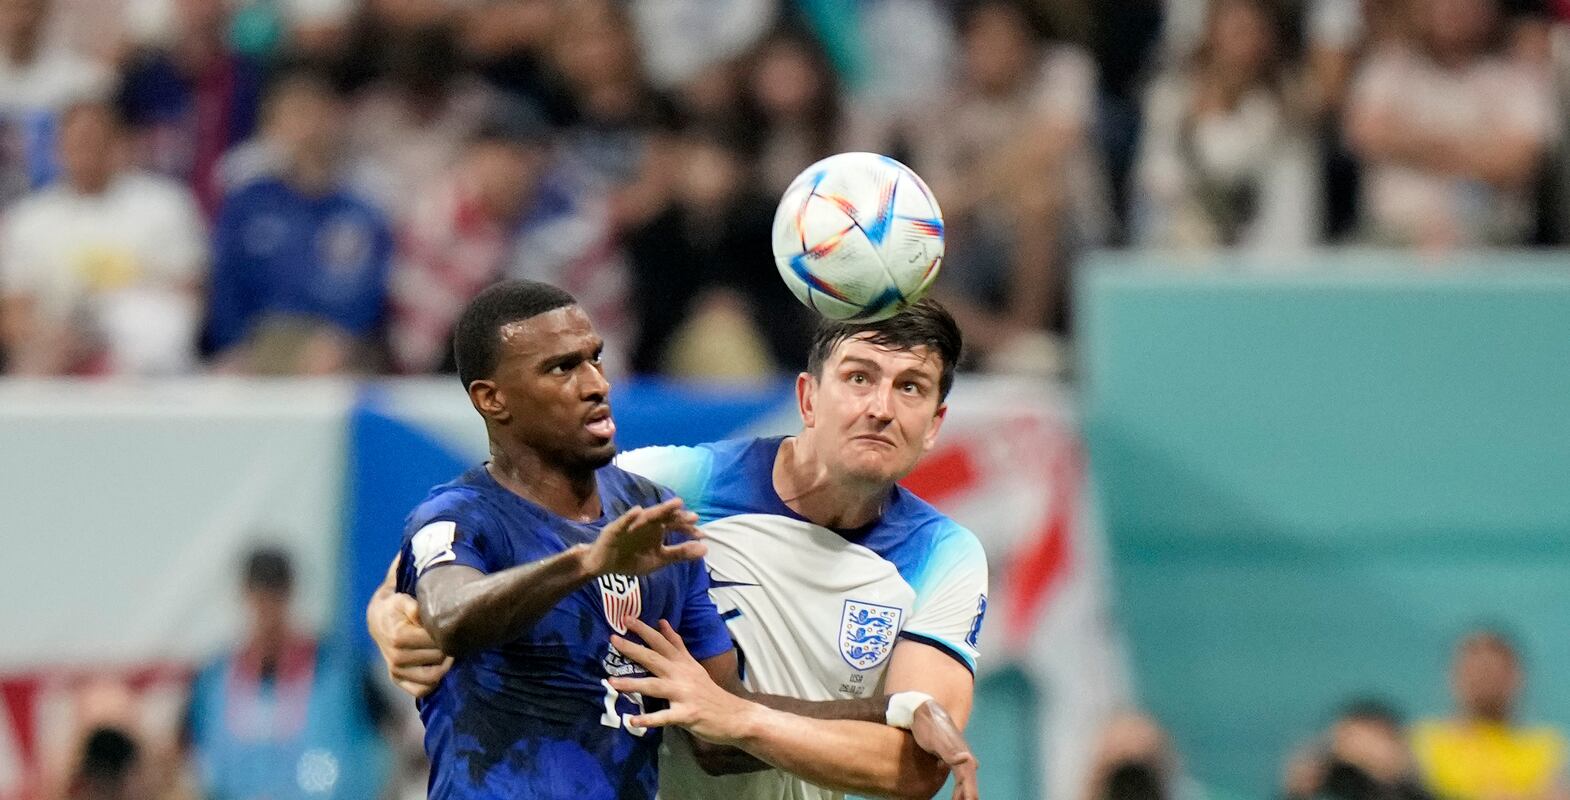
(880, 405)
(592, 383)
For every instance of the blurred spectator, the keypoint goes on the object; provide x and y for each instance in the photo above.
(1451, 133)
(619, 136)
(99, 272)
(191, 101)
(507, 210)
(1135, 760)
(111, 768)
(706, 261)
(381, 32)
(1483, 752)
(37, 81)
(300, 261)
(1363, 757)
(794, 96)
(506, 43)
(412, 121)
(1012, 166)
(1225, 158)
(682, 38)
(284, 716)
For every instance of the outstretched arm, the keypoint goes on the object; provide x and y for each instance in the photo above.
(845, 755)
(466, 610)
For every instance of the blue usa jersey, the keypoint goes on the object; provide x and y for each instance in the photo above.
(536, 717)
(815, 613)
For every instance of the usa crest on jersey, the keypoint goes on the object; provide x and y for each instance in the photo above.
(867, 632)
(621, 598)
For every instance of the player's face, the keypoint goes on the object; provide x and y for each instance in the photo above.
(875, 410)
(553, 389)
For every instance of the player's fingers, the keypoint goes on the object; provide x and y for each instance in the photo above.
(403, 658)
(658, 719)
(653, 638)
(390, 580)
(428, 675)
(686, 551)
(414, 689)
(672, 636)
(648, 687)
(648, 659)
(628, 521)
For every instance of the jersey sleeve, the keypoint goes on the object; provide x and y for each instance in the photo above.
(951, 597)
(701, 627)
(446, 530)
(683, 470)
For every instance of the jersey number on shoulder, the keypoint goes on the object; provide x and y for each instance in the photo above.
(612, 718)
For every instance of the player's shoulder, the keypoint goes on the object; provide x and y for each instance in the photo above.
(463, 500)
(691, 470)
(928, 543)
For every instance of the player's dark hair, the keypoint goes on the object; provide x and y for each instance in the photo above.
(269, 569)
(925, 323)
(477, 337)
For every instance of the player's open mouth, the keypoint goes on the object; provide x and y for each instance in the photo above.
(600, 424)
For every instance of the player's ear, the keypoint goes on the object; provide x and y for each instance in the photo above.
(937, 422)
(806, 390)
(488, 400)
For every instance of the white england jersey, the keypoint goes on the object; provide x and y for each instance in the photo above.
(814, 612)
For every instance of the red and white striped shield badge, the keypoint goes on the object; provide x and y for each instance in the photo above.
(621, 598)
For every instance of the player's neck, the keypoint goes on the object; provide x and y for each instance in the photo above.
(804, 485)
(573, 494)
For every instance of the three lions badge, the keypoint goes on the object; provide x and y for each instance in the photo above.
(867, 633)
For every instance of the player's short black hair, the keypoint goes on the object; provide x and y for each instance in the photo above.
(269, 569)
(477, 336)
(925, 323)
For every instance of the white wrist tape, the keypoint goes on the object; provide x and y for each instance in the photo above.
(902, 708)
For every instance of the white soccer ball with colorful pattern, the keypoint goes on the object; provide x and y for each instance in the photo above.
(858, 236)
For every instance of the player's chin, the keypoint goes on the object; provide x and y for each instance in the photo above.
(596, 453)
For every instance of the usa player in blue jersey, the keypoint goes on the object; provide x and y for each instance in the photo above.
(526, 567)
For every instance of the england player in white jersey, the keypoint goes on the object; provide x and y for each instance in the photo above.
(836, 583)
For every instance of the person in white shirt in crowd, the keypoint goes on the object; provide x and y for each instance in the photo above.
(37, 80)
(1451, 133)
(99, 272)
(1226, 159)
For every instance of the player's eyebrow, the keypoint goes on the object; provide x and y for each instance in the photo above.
(866, 362)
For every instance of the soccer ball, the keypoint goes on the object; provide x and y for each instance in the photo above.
(858, 236)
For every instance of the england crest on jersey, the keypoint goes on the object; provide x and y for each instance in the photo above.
(867, 632)
(621, 598)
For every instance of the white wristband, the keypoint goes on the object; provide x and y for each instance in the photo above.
(902, 708)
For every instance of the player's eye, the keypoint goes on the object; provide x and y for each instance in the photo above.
(911, 387)
(858, 378)
(595, 359)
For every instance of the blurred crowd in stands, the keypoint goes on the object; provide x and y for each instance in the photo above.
(317, 186)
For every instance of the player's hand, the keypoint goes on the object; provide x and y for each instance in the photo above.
(414, 662)
(936, 733)
(634, 543)
(697, 703)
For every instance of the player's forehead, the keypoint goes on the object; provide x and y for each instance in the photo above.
(552, 334)
(862, 350)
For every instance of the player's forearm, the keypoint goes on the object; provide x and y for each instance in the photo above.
(844, 755)
(466, 611)
(864, 709)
